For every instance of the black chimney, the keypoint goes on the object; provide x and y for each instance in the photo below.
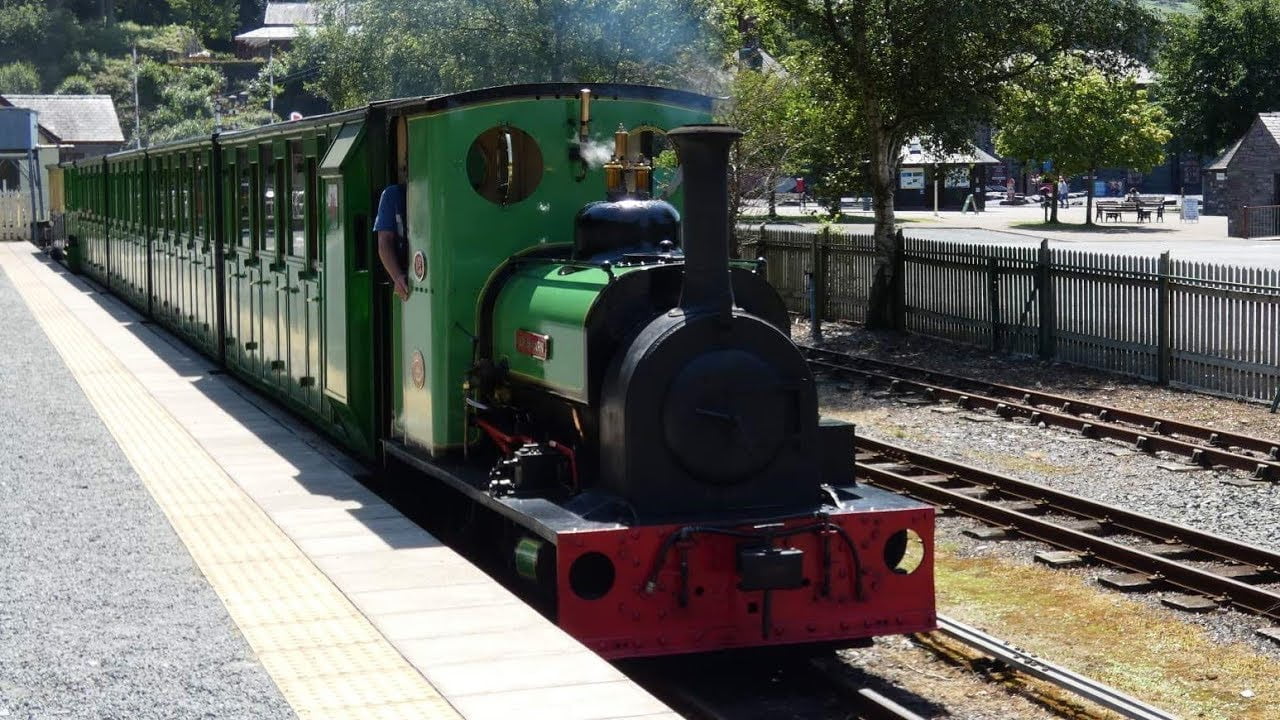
(704, 157)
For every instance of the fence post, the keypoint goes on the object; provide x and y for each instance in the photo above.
(993, 300)
(1048, 312)
(820, 271)
(1164, 308)
(900, 283)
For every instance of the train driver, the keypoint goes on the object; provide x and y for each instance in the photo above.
(393, 238)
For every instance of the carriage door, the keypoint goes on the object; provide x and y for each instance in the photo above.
(334, 302)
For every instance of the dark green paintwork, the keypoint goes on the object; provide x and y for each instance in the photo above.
(466, 237)
(300, 325)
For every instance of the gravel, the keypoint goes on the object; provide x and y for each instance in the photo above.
(103, 613)
(1249, 418)
(1218, 501)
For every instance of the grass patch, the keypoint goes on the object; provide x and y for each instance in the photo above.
(1032, 462)
(815, 220)
(1117, 640)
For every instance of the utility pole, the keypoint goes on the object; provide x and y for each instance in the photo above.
(137, 111)
(271, 78)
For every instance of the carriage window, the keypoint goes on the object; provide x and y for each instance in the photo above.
(267, 189)
(184, 196)
(138, 206)
(199, 197)
(313, 214)
(504, 165)
(244, 198)
(161, 195)
(166, 194)
(297, 199)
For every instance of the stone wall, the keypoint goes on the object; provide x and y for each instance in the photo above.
(1251, 175)
(1215, 190)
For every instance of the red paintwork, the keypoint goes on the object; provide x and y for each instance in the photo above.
(627, 622)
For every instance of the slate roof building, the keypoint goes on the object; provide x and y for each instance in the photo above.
(68, 127)
(280, 25)
(1248, 173)
(79, 125)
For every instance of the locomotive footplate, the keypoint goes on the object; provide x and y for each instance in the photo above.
(668, 586)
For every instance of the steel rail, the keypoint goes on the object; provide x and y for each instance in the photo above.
(1089, 689)
(1203, 455)
(1172, 534)
(874, 706)
(1156, 568)
(1106, 413)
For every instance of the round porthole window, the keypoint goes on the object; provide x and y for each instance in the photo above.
(504, 165)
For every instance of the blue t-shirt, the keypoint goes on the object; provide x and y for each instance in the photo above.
(391, 211)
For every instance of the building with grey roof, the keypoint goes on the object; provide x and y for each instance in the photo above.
(68, 127)
(79, 125)
(280, 25)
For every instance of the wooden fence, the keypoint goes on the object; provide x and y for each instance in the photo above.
(1260, 221)
(1201, 325)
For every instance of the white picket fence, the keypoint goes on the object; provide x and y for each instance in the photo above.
(15, 215)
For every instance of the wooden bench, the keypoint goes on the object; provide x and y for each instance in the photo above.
(1115, 211)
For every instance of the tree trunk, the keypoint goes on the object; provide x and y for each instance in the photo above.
(880, 302)
(1088, 203)
(1053, 212)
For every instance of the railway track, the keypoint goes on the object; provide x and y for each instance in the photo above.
(1150, 554)
(825, 687)
(1198, 445)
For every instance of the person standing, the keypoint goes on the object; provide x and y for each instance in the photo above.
(1063, 189)
(800, 189)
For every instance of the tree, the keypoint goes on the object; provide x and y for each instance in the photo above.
(1216, 70)
(19, 78)
(393, 48)
(1081, 119)
(75, 85)
(188, 107)
(212, 19)
(934, 68)
(769, 108)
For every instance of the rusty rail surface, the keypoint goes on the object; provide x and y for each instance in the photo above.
(1165, 561)
(1200, 445)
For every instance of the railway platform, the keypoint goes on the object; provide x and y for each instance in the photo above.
(177, 548)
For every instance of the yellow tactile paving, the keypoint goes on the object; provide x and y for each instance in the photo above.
(326, 658)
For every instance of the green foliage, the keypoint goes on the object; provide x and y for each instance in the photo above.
(212, 19)
(794, 124)
(1217, 70)
(1081, 119)
(19, 78)
(76, 85)
(935, 68)
(391, 48)
(770, 109)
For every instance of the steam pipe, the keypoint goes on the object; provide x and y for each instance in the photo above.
(704, 157)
